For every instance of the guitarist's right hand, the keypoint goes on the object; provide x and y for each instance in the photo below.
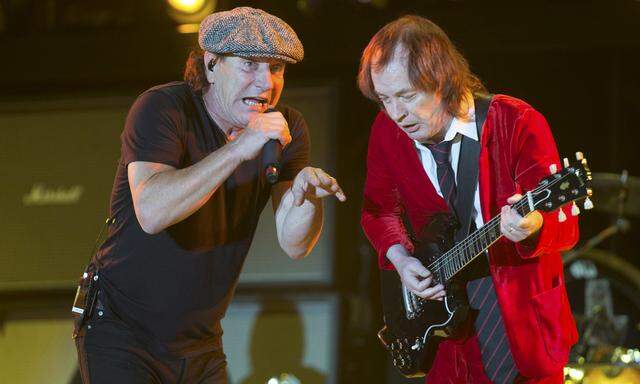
(413, 274)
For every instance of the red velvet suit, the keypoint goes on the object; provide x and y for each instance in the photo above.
(516, 150)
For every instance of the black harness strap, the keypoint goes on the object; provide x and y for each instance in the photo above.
(467, 175)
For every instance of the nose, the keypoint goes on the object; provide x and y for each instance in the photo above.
(264, 78)
(397, 111)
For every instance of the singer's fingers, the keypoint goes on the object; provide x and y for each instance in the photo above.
(312, 177)
(285, 138)
(298, 191)
(281, 128)
(323, 176)
(273, 125)
(339, 192)
(330, 184)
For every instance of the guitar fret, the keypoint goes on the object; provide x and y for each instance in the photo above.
(456, 259)
(454, 262)
(444, 271)
(522, 207)
(466, 253)
(477, 243)
(495, 233)
(468, 250)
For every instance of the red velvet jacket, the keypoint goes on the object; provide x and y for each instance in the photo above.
(516, 150)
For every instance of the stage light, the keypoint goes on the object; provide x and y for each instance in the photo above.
(188, 28)
(187, 6)
(573, 375)
(189, 13)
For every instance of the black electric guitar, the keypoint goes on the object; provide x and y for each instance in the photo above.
(414, 326)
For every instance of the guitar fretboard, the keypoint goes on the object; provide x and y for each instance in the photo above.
(451, 262)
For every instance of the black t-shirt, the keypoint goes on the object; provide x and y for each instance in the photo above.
(173, 288)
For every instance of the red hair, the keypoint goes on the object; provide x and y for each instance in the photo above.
(433, 62)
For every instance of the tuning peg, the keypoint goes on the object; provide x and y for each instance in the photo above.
(579, 156)
(566, 162)
(588, 204)
(575, 211)
(561, 216)
(553, 168)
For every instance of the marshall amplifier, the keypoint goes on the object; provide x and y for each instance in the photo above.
(57, 162)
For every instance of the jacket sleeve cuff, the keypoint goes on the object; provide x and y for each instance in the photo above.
(383, 262)
(544, 242)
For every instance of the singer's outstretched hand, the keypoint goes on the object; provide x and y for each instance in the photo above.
(315, 183)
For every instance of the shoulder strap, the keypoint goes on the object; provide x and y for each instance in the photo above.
(467, 175)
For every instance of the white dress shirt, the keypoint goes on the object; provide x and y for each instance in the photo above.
(457, 128)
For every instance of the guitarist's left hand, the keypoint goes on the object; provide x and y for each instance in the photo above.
(517, 228)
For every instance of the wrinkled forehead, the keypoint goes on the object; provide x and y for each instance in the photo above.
(390, 77)
(394, 59)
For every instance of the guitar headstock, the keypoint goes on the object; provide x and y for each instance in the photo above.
(571, 183)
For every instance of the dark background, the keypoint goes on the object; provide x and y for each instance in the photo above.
(575, 61)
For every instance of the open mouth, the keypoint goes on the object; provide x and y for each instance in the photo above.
(255, 101)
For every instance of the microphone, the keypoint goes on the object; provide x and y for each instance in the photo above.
(271, 153)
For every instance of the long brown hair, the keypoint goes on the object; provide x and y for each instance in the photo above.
(433, 62)
(194, 70)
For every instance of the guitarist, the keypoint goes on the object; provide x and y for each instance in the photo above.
(524, 327)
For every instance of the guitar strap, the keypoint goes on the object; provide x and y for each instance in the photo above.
(467, 174)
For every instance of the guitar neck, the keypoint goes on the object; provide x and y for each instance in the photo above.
(455, 259)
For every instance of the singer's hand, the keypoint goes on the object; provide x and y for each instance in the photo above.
(315, 183)
(261, 128)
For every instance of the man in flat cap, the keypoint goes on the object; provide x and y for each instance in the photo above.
(187, 195)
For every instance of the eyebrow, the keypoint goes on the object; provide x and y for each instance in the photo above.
(405, 90)
(400, 92)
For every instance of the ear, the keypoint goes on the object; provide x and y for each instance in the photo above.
(210, 60)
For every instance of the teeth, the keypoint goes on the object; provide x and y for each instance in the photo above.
(252, 101)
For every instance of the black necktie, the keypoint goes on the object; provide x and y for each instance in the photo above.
(492, 338)
(441, 154)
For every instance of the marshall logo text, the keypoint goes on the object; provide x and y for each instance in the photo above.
(43, 195)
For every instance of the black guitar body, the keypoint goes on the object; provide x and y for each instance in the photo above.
(413, 338)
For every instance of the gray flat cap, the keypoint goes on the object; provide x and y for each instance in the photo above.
(250, 32)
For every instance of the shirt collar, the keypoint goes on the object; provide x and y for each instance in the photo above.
(466, 127)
